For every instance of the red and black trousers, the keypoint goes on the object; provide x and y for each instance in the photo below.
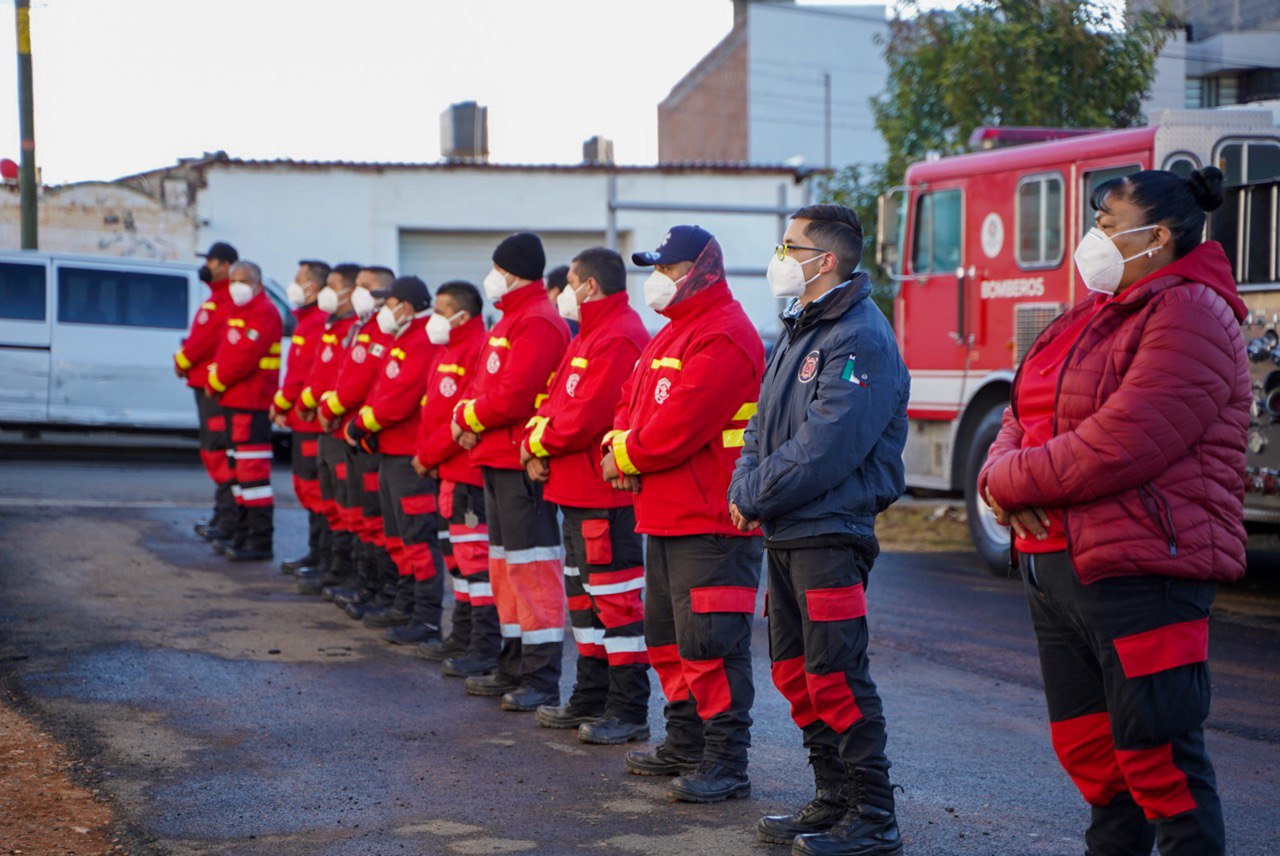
(305, 462)
(817, 611)
(464, 543)
(410, 525)
(335, 460)
(604, 584)
(249, 454)
(699, 601)
(1126, 678)
(214, 444)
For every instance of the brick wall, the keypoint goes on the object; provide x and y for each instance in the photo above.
(705, 116)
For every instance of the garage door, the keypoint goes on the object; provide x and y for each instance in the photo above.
(438, 257)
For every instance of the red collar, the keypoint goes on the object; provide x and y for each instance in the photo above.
(597, 312)
(473, 329)
(517, 299)
(700, 302)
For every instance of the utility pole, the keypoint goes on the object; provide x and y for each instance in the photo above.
(826, 118)
(26, 123)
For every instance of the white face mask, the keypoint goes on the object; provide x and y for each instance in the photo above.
(567, 303)
(388, 322)
(327, 300)
(439, 327)
(495, 285)
(363, 302)
(241, 293)
(660, 290)
(786, 276)
(297, 294)
(1100, 262)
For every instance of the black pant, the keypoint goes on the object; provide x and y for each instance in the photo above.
(701, 594)
(1127, 683)
(475, 616)
(410, 522)
(818, 650)
(305, 461)
(604, 583)
(250, 453)
(214, 444)
(335, 458)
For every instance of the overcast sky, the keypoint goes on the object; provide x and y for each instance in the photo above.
(127, 85)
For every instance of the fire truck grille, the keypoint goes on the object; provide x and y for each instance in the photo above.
(1029, 320)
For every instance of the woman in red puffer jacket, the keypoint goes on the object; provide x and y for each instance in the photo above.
(1120, 467)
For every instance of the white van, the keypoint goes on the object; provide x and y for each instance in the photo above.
(88, 341)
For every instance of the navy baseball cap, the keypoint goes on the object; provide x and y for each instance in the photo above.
(409, 289)
(682, 244)
(222, 251)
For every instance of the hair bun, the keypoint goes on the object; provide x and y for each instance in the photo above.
(1206, 186)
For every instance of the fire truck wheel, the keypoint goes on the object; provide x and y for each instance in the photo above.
(990, 539)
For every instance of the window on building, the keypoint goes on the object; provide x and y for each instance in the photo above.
(1249, 161)
(1260, 84)
(1090, 182)
(1040, 215)
(22, 292)
(1193, 96)
(1182, 164)
(122, 298)
(937, 233)
(1220, 90)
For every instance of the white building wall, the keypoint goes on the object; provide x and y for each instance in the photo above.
(790, 46)
(276, 215)
(1169, 88)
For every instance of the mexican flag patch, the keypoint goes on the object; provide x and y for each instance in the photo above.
(850, 372)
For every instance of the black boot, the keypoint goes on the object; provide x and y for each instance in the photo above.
(819, 814)
(469, 665)
(569, 715)
(494, 684)
(361, 571)
(528, 697)
(713, 782)
(611, 730)
(662, 761)
(292, 566)
(439, 650)
(399, 612)
(309, 577)
(427, 613)
(868, 827)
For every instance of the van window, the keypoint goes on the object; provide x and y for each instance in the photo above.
(1182, 164)
(122, 298)
(22, 290)
(937, 237)
(1247, 161)
(1090, 182)
(1040, 215)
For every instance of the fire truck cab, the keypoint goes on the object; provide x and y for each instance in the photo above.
(982, 243)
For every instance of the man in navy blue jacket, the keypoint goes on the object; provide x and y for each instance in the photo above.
(823, 457)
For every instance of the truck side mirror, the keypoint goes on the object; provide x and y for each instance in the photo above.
(890, 228)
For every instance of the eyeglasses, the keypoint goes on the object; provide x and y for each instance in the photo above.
(781, 250)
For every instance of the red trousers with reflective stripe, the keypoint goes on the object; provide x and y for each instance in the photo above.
(526, 568)
(214, 443)
(1126, 678)
(818, 648)
(250, 453)
(604, 584)
(700, 593)
(466, 549)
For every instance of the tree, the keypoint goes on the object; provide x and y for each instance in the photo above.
(1056, 63)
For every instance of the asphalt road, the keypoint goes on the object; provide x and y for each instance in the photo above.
(226, 714)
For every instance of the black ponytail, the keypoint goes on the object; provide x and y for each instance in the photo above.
(1176, 203)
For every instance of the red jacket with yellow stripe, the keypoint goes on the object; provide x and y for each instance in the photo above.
(334, 339)
(448, 381)
(361, 365)
(579, 409)
(246, 367)
(207, 328)
(515, 368)
(303, 349)
(394, 406)
(680, 420)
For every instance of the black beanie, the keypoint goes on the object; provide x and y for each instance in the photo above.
(521, 254)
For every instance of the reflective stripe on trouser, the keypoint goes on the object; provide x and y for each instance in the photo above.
(334, 455)
(213, 454)
(365, 513)
(249, 437)
(525, 569)
(700, 595)
(462, 511)
(409, 520)
(1126, 678)
(604, 584)
(818, 650)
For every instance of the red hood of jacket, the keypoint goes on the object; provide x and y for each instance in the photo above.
(1206, 264)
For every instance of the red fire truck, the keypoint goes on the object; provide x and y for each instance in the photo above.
(981, 244)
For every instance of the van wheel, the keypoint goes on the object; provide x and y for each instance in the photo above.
(990, 539)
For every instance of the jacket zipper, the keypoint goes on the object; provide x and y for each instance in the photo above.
(1158, 508)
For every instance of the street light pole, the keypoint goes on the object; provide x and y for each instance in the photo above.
(26, 123)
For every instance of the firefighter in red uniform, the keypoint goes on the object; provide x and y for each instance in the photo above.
(388, 423)
(458, 329)
(191, 361)
(243, 377)
(334, 300)
(677, 433)
(604, 560)
(302, 293)
(361, 364)
(524, 542)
